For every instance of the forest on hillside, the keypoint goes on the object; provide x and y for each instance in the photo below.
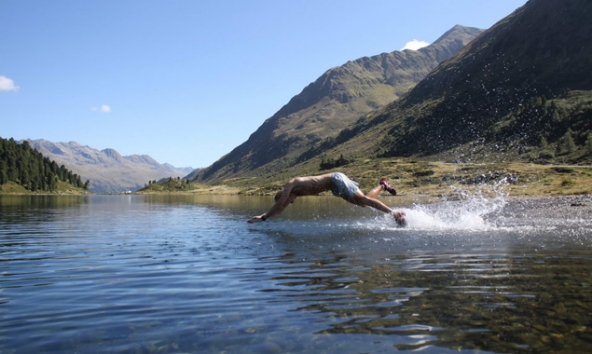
(23, 165)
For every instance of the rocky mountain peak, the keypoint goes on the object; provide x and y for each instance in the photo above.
(107, 170)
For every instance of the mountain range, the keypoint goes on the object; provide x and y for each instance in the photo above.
(521, 90)
(332, 103)
(107, 170)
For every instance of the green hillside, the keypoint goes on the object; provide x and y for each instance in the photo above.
(522, 91)
(517, 99)
(331, 103)
(25, 170)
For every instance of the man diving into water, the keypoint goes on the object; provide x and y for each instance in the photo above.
(340, 185)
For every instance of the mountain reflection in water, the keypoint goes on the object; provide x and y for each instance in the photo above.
(169, 274)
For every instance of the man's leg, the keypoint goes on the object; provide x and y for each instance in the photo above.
(383, 185)
(363, 200)
(375, 191)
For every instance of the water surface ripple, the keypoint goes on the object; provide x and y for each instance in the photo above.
(149, 274)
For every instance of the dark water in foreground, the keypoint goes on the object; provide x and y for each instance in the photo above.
(135, 274)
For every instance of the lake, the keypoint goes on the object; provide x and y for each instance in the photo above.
(187, 274)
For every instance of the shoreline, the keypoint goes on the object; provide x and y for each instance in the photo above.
(419, 179)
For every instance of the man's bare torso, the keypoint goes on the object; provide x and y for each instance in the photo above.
(310, 185)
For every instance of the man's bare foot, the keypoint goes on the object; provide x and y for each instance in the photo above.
(387, 187)
(400, 217)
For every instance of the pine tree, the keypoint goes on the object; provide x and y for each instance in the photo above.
(21, 164)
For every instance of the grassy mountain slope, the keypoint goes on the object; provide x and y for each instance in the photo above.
(520, 91)
(24, 170)
(333, 102)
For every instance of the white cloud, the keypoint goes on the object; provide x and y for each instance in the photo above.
(415, 45)
(104, 108)
(7, 84)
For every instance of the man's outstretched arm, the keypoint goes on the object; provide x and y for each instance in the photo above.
(277, 208)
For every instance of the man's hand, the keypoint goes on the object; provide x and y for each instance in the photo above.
(400, 217)
(256, 219)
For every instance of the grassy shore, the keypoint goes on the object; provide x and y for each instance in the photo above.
(421, 178)
(11, 188)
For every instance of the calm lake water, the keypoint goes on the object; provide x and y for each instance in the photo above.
(184, 274)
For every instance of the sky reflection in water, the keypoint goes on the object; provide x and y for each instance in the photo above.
(188, 274)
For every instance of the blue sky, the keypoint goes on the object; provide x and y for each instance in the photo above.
(186, 81)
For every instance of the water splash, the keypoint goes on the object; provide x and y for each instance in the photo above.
(474, 209)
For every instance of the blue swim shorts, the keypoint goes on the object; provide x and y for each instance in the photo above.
(342, 186)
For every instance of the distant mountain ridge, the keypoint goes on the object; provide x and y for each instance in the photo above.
(333, 102)
(107, 170)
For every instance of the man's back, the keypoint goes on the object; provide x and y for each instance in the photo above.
(310, 185)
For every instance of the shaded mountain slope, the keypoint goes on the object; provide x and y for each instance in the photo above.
(332, 102)
(521, 90)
